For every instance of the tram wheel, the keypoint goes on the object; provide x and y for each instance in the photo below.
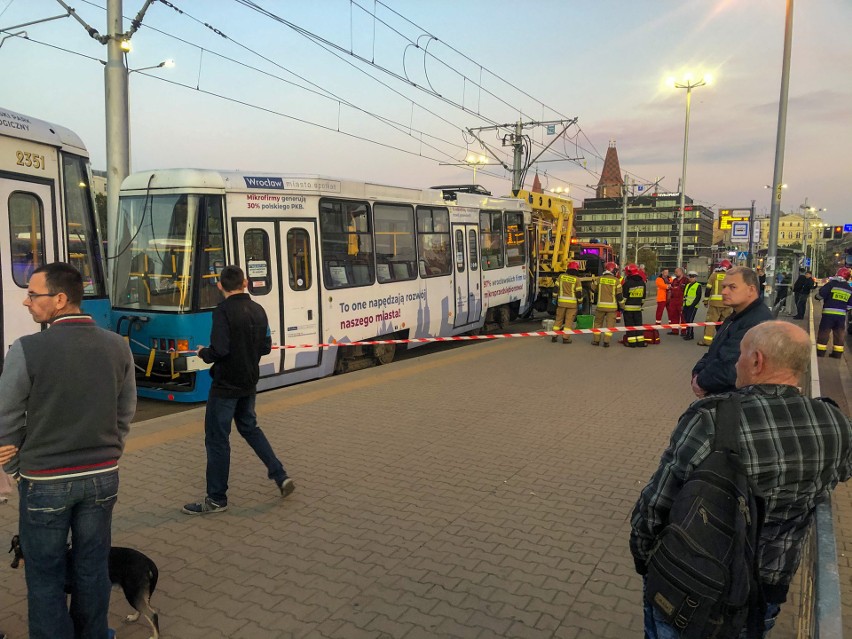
(503, 317)
(384, 353)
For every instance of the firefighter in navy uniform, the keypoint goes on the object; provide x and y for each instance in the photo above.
(569, 291)
(633, 291)
(716, 309)
(609, 300)
(691, 298)
(836, 296)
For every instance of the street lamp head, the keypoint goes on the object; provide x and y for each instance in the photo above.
(689, 80)
(126, 46)
(167, 63)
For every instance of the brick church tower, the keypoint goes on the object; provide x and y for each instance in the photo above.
(611, 182)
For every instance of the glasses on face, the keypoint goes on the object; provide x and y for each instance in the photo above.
(32, 296)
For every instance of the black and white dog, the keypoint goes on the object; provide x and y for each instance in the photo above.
(128, 568)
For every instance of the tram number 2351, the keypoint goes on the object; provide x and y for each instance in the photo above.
(29, 160)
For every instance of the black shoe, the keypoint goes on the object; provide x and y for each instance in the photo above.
(796, 317)
(820, 353)
(606, 344)
(553, 339)
(596, 343)
(836, 355)
(286, 487)
(205, 507)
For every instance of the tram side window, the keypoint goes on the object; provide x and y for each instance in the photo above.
(25, 221)
(258, 259)
(491, 239)
(472, 250)
(395, 252)
(80, 228)
(516, 254)
(347, 243)
(434, 253)
(299, 259)
(460, 250)
(211, 251)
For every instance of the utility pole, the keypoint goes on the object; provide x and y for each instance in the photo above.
(117, 131)
(517, 158)
(749, 257)
(517, 140)
(623, 252)
(780, 139)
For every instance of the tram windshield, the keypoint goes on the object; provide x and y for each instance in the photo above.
(153, 262)
(81, 230)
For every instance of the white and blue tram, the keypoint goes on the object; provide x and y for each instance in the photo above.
(45, 186)
(330, 261)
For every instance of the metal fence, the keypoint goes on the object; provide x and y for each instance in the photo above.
(818, 613)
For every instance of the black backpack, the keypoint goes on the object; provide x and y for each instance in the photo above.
(702, 572)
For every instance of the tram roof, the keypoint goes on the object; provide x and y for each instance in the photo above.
(18, 125)
(200, 180)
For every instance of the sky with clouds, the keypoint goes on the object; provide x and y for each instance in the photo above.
(384, 90)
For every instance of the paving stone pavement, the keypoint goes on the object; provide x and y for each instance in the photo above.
(483, 491)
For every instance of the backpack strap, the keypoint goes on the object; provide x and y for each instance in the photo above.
(727, 424)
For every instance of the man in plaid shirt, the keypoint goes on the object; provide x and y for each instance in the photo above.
(795, 450)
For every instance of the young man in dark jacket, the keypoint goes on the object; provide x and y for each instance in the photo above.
(802, 290)
(239, 338)
(716, 372)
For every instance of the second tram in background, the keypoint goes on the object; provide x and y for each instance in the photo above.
(329, 260)
(49, 216)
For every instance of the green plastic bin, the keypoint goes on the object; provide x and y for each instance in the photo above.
(585, 321)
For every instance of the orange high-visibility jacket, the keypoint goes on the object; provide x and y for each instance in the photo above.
(662, 289)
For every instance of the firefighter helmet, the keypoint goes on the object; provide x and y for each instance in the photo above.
(573, 265)
(612, 267)
(725, 264)
(631, 269)
(844, 272)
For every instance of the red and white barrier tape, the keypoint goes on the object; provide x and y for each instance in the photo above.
(463, 338)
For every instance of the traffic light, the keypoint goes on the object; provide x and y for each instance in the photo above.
(826, 233)
(838, 232)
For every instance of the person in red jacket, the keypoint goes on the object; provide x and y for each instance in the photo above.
(675, 304)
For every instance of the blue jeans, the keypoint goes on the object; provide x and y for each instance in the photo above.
(217, 431)
(656, 627)
(48, 511)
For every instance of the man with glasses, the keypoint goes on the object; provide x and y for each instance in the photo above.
(67, 395)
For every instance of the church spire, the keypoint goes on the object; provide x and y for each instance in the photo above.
(611, 182)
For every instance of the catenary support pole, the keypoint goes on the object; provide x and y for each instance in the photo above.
(117, 136)
(778, 175)
(623, 252)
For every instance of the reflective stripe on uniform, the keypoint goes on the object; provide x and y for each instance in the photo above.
(632, 308)
(833, 311)
(822, 347)
(838, 349)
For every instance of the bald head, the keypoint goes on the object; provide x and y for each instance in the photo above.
(773, 353)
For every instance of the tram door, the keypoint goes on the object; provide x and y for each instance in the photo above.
(27, 242)
(468, 291)
(279, 259)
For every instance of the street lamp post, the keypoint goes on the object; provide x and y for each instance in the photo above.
(689, 85)
(808, 211)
